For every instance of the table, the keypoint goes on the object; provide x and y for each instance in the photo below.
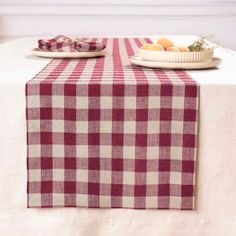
(216, 179)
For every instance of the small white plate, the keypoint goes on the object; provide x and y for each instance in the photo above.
(175, 65)
(39, 53)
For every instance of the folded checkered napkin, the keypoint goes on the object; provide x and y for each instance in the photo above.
(60, 43)
(54, 41)
(63, 43)
(89, 46)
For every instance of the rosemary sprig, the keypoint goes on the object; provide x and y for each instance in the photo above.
(200, 45)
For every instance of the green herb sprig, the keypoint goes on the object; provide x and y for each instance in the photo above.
(200, 45)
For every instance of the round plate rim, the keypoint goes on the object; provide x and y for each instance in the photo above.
(175, 65)
(45, 54)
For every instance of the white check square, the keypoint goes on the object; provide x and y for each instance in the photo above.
(153, 127)
(58, 175)
(105, 151)
(175, 202)
(34, 199)
(130, 102)
(82, 102)
(129, 152)
(58, 101)
(106, 126)
(105, 201)
(153, 152)
(129, 127)
(152, 178)
(82, 151)
(176, 153)
(58, 150)
(105, 177)
(58, 126)
(106, 102)
(34, 175)
(153, 102)
(82, 200)
(175, 178)
(34, 126)
(82, 175)
(33, 101)
(128, 202)
(58, 199)
(82, 127)
(178, 103)
(129, 177)
(151, 202)
(34, 150)
(176, 127)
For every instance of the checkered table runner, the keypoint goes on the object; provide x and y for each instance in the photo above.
(102, 133)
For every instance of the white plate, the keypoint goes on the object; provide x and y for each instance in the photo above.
(174, 65)
(39, 53)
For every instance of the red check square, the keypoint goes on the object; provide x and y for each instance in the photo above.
(93, 139)
(116, 189)
(46, 163)
(140, 190)
(117, 164)
(45, 89)
(117, 114)
(166, 89)
(45, 113)
(69, 114)
(69, 139)
(189, 140)
(117, 139)
(118, 90)
(165, 140)
(164, 165)
(163, 189)
(93, 188)
(46, 187)
(70, 163)
(165, 114)
(70, 90)
(46, 137)
(94, 164)
(69, 187)
(140, 165)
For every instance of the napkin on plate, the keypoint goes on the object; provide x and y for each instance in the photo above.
(60, 43)
(63, 43)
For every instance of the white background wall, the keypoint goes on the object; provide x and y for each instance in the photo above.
(120, 17)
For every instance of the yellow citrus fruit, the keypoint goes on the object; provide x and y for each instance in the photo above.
(153, 46)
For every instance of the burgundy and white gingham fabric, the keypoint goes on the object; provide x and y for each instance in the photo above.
(84, 46)
(102, 133)
(63, 43)
(60, 43)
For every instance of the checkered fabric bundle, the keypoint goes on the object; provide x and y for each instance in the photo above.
(89, 46)
(104, 134)
(62, 43)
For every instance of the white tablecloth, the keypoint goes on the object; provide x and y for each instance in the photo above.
(216, 178)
